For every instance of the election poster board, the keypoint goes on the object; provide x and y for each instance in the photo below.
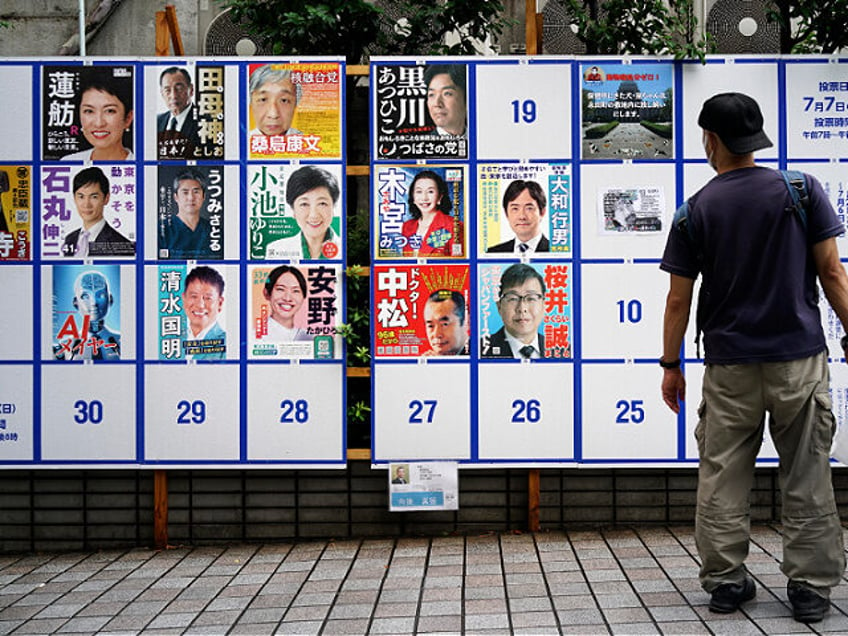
(575, 167)
(147, 210)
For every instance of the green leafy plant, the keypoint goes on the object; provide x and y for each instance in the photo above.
(635, 27)
(811, 26)
(357, 28)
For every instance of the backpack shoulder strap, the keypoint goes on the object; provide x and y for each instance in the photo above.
(796, 183)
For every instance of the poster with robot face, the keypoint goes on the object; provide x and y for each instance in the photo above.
(86, 312)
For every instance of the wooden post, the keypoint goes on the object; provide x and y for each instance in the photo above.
(168, 32)
(174, 28)
(533, 490)
(161, 46)
(160, 509)
(530, 37)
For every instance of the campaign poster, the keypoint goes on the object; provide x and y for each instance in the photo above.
(421, 211)
(627, 111)
(190, 112)
(86, 312)
(294, 211)
(88, 211)
(87, 113)
(628, 210)
(192, 320)
(294, 312)
(15, 213)
(421, 310)
(190, 212)
(295, 111)
(525, 310)
(421, 111)
(524, 209)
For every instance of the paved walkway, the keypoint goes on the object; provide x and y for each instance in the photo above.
(622, 581)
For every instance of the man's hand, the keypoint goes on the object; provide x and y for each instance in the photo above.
(673, 388)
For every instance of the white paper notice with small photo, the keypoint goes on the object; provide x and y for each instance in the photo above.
(423, 486)
(631, 210)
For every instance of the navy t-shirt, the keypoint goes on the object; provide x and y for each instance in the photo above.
(759, 297)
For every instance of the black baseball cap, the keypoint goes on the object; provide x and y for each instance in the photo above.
(737, 120)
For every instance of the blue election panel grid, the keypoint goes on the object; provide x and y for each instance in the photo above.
(172, 256)
(520, 208)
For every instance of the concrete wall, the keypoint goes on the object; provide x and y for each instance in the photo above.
(39, 28)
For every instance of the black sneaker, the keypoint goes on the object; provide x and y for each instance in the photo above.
(807, 605)
(727, 597)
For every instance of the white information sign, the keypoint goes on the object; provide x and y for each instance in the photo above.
(16, 412)
(423, 486)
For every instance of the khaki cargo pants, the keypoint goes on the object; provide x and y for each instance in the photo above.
(729, 434)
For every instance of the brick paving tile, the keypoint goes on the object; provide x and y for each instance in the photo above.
(392, 625)
(446, 623)
(346, 626)
(395, 610)
(254, 629)
(619, 615)
(301, 628)
(486, 621)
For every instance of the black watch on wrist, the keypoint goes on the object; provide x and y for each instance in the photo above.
(672, 364)
(844, 342)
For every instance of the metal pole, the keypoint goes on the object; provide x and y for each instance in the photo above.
(82, 27)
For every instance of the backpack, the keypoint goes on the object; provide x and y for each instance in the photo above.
(795, 182)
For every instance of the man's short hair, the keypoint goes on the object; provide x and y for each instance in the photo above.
(205, 274)
(190, 174)
(279, 271)
(308, 178)
(441, 295)
(515, 275)
(89, 175)
(515, 188)
(175, 69)
(267, 73)
(456, 72)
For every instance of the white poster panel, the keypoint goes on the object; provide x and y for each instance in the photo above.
(626, 303)
(295, 413)
(424, 411)
(16, 322)
(694, 383)
(88, 413)
(834, 179)
(16, 125)
(526, 411)
(191, 413)
(16, 413)
(524, 111)
(624, 417)
(816, 109)
(700, 82)
(626, 209)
